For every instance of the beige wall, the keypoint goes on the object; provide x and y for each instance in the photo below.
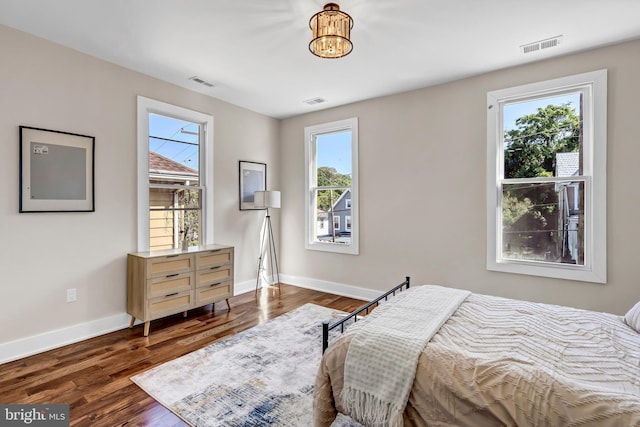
(41, 255)
(424, 152)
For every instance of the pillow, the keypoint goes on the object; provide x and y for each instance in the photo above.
(632, 318)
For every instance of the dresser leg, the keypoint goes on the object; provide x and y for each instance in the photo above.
(133, 320)
(228, 306)
(146, 328)
(184, 314)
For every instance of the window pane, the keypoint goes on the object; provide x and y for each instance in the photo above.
(331, 170)
(331, 214)
(333, 151)
(174, 215)
(543, 222)
(536, 131)
(173, 150)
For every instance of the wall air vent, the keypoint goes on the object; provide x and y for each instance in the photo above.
(540, 45)
(314, 101)
(201, 81)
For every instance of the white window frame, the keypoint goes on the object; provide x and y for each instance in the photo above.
(310, 183)
(594, 89)
(148, 106)
(336, 222)
(347, 204)
(347, 223)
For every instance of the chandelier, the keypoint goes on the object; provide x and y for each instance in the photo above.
(330, 29)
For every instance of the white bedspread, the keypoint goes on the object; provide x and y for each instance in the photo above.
(381, 363)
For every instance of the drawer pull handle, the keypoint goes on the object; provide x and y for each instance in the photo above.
(172, 275)
(170, 295)
(214, 284)
(214, 251)
(215, 268)
(171, 256)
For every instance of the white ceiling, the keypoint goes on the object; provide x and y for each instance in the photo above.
(256, 51)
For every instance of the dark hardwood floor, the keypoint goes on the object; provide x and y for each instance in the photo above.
(92, 376)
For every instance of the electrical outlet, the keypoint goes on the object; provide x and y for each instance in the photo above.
(71, 295)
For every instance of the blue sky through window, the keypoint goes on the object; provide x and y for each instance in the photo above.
(519, 109)
(334, 150)
(178, 130)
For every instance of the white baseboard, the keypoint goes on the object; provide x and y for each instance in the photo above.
(29, 346)
(244, 287)
(331, 287)
(35, 344)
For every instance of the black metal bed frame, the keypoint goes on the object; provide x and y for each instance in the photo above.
(328, 326)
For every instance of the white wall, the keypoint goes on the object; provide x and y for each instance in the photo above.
(42, 254)
(424, 152)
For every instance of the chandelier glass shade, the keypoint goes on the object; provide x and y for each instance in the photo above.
(331, 32)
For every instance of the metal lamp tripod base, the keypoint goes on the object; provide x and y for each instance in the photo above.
(267, 244)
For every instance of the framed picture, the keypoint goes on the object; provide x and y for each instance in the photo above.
(56, 171)
(253, 177)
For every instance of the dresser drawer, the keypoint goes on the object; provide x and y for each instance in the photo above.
(169, 281)
(213, 258)
(213, 293)
(170, 284)
(212, 275)
(170, 304)
(170, 264)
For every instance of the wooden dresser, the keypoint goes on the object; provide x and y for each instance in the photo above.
(162, 283)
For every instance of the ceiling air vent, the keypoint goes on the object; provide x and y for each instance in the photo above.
(314, 101)
(540, 45)
(201, 81)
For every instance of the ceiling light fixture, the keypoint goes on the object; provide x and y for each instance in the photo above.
(331, 30)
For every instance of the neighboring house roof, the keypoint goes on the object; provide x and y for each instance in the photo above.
(161, 164)
(165, 169)
(342, 196)
(567, 164)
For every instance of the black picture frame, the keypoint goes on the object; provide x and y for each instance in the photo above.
(252, 177)
(57, 172)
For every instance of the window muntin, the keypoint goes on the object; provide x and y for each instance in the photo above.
(546, 182)
(331, 152)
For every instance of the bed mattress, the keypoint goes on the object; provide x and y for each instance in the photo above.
(503, 362)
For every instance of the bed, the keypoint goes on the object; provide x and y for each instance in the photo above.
(495, 362)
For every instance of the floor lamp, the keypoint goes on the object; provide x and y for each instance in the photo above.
(267, 200)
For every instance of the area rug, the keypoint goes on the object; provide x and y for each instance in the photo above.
(263, 376)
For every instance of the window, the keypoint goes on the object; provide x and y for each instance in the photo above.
(175, 176)
(331, 152)
(347, 225)
(546, 183)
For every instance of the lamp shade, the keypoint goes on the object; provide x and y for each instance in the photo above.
(266, 199)
(331, 32)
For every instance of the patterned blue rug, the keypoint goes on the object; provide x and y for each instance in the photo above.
(263, 376)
